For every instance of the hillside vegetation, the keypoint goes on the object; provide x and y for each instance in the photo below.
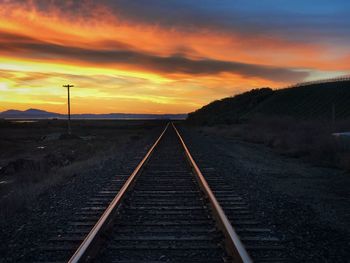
(314, 101)
(297, 121)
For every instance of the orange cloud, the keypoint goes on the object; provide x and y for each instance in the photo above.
(144, 67)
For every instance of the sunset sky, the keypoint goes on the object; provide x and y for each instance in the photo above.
(163, 56)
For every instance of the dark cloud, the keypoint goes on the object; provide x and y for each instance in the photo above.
(293, 20)
(297, 20)
(164, 64)
(8, 38)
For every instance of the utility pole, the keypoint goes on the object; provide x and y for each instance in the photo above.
(68, 89)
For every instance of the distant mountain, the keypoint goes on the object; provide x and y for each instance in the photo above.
(41, 114)
(30, 113)
(313, 100)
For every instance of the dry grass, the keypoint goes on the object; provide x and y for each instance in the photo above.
(29, 186)
(40, 170)
(311, 140)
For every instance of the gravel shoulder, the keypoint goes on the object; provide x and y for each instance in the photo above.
(307, 206)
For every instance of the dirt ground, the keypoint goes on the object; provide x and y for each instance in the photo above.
(307, 205)
(45, 177)
(46, 186)
(36, 155)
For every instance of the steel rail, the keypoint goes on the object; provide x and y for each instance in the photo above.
(87, 248)
(233, 244)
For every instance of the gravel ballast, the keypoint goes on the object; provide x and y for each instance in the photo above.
(307, 206)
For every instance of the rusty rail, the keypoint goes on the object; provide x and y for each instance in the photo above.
(88, 247)
(233, 244)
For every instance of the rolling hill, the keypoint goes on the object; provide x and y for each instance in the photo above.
(314, 100)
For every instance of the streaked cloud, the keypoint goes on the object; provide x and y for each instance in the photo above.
(166, 56)
(36, 49)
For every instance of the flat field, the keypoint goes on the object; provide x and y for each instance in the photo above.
(36, 155)
(46, 176)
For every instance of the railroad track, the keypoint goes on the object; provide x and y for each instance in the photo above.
(164, 211)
